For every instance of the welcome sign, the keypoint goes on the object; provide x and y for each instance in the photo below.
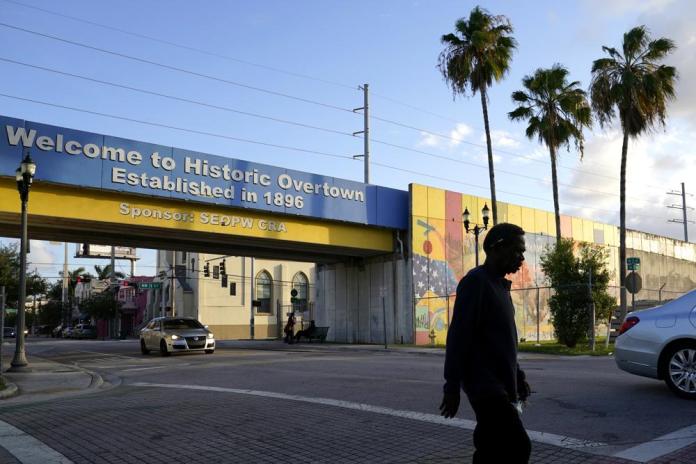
(84, 159)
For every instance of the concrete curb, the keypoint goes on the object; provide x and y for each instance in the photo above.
(96, 384)
(10, 390)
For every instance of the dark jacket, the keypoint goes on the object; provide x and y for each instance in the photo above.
(481, 355)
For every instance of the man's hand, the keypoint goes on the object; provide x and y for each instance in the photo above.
(523, 390)
(450, 405)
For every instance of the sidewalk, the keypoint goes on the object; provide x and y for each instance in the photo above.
(44, 381)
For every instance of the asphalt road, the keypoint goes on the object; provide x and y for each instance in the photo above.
(238, 399)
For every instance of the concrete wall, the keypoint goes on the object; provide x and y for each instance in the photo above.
(349, 300)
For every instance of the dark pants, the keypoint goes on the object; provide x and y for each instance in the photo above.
(499, 436)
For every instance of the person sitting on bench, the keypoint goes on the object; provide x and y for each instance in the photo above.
(306, 332)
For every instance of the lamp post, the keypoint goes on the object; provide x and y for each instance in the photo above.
(24, 177)
(477, 229)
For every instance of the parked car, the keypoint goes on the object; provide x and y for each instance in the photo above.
(660, 343)
(9, 332)
(84, 331)
(57, 331)
(170, 334)
(67, 332)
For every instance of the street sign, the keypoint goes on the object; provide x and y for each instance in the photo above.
(634, 282)
(633, 264)
(150, 285)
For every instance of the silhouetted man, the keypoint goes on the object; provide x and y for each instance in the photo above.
(481, 356)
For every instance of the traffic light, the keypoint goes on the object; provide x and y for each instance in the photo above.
(223, 282)
(222, 267)
(206, 270)
(216, 272)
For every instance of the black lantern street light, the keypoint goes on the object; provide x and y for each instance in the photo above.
(24, 176)
(477, 229)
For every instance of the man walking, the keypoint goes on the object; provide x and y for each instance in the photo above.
(481, 356)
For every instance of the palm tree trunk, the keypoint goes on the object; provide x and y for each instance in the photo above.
(622, 226)
(491, 172)
(554, 183)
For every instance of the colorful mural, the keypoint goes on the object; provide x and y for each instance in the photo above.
(443, 252)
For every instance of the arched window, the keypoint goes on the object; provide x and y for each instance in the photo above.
(300, 283)
(264, 291)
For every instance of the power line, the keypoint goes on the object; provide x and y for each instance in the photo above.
(544, 161)
(183, 46)
(175, 68)
(196, 102)
(304, 76)
(256, 142)
(281, 146)
(174, 97)
(485, 188)
(481, 166)
(183, 129)
(294, 123)
(235, 277)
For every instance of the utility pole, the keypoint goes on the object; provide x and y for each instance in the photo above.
(2, 322)
(366, 131)
(64, 293)
(172, 269)
(683, 207)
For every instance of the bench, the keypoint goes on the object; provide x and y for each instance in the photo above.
(319, 333)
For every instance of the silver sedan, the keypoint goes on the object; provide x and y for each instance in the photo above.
(171, 334)
(661, 343)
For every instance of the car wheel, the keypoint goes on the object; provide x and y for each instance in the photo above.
(143, 348)
(680, 371)
(209, 351)
(163, 348)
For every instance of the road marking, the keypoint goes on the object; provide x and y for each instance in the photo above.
(540, 437)
(153, 367)
(660, 445)
(27, 449)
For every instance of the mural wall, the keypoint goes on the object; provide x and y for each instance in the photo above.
(442, 253)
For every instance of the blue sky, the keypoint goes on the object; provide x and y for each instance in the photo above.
(337, 45)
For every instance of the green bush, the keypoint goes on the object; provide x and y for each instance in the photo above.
(569, 276)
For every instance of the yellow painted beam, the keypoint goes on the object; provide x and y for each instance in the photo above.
(128, 211)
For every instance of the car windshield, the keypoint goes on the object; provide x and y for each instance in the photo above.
(182, 324)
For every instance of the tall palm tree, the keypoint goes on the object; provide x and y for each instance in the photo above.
(478, 52)
(632, 83)
(556, 111)
(104, 272)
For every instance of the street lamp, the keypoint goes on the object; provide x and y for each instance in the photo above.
(24, 177)
(477, 229)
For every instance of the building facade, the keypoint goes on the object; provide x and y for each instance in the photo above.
(240, 299)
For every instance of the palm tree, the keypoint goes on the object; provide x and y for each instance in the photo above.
(632, 83)
(73, 276)
(479, 52)
(104, 273)
(557, 112)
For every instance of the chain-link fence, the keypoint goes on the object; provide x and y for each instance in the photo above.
(532, 312)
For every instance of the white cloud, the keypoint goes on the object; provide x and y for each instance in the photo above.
(40, 255)
(459, 133)
(677, 24)
(429, 140)
(657, 163)
(501, 138)
(456, 135)
(622, 7)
